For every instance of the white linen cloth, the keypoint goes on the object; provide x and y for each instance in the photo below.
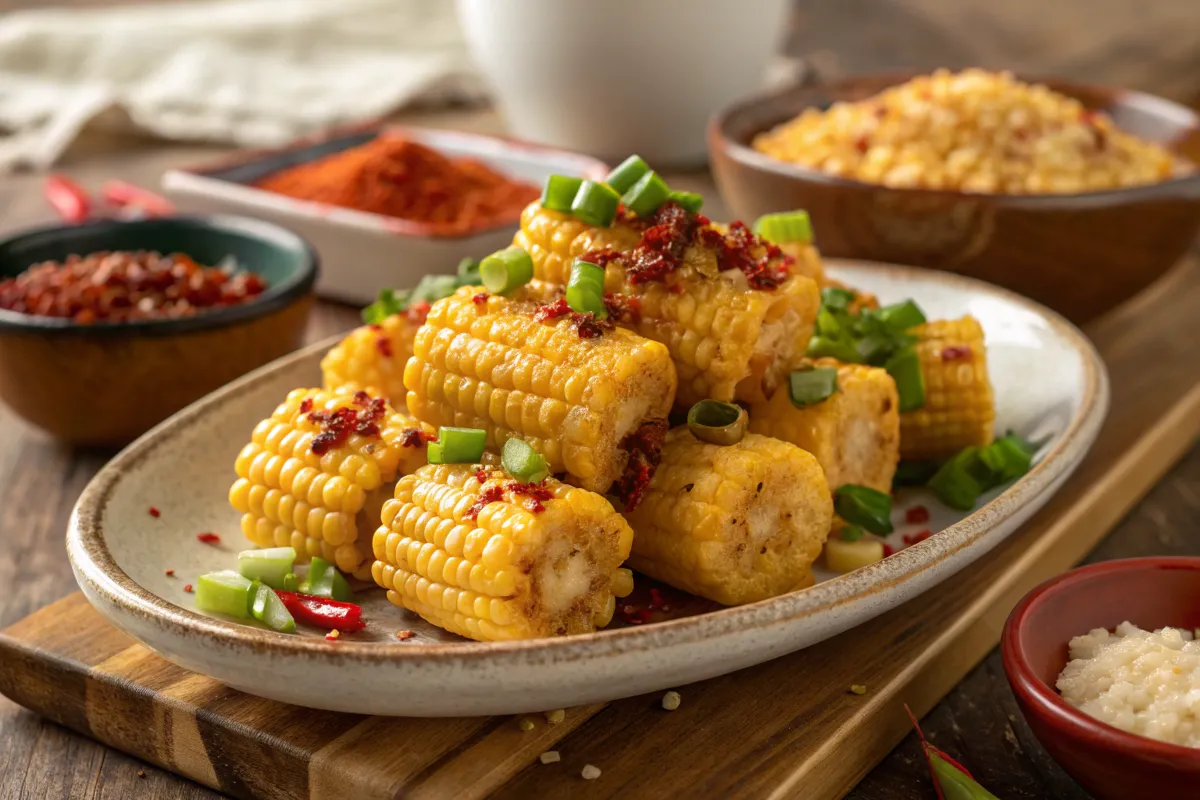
(247, 72)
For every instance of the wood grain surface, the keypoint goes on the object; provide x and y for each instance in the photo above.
(1150, 46)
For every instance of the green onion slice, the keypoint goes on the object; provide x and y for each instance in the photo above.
(784, 227)
(524, 463)
(716, 422)
(899, 317)
(905, 369)
(1008, 458)
(267, 608)
(837, 299)
(559, 192)
(468, 272)
(825, 347)
(809, 386)
(960, 481)
(506, 270)
(270, 565)
(596, 204)
(627, 173)
(645, 196)
(689, 200)
(865, 507)
(224, 592)
(585, 289)
(457, 446)
(325, 581)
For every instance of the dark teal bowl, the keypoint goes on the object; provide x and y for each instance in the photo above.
(106, 383)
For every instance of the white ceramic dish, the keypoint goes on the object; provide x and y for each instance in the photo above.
(1050, 386)
(362, 253)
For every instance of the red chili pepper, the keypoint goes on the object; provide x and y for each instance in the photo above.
(322, 612)
(208, 538)
(67, 198)
(122, 194)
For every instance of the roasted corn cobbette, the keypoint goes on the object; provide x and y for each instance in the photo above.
(735, 524)
(489, 362)
(472, 551)
(959, 408)
(317, 471)
(373, 356)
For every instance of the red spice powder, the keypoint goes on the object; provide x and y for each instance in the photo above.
(916, 515)
(208, 538)
(154, 512)
(397, 177)
(956, 353)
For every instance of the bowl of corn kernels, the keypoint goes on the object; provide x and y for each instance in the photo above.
(1077, 196)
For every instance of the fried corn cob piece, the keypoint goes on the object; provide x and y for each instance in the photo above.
(808, 260)
(959, 408)
(734, 524)
(494, 365)
(474, 552)
(855, 433)
(320, 495)
(729, 341)
(373, 357)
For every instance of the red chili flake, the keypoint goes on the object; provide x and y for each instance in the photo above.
(655, 597)
(154, 512)
(534, 493)
(489, 494)
(417, 312)
(187, 588)
(916, 515)
(413, 437)
(553, 310)
(480, 299)
(588, 327)
(644, 446)
(482, 475)
(170, 573)
(404, 636)
(916, 538)
(306, 405)
(888, 550)
(661, 250)
(337, 425)
(623, 308)
(208, 538)
(956, 353)
(862, 144)
(739, 248)
(376, 327)
(601, 258)
(384, 345)
(333, 635)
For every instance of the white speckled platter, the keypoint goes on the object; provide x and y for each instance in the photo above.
(1050, 386)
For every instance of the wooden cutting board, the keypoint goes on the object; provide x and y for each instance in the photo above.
(788, 728)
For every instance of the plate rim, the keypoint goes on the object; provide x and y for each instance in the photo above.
(92, 561)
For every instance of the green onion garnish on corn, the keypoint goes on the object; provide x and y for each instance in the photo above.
(837, 299)
(809, 386)
(559, 192)
(718, 422)
(974, 470)
(596, 204)
(690, 201)
(585, 289)
(645, 196)
(627, 173)
(457, 446)
(785, 227)
(865, 507)
(899, 317)
(828, 347)
(522, 462)
(905, 369)
(506, 270)
(270, 565)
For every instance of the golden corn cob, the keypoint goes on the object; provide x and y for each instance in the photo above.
(734, 524)
(323, 503)
(959, 408)
(493, 365)
(372, 357)
(729, 341)
(808, 260)
(855, 434)
(489, 563)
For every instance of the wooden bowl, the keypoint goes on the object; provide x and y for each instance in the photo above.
(1080, 254)
(105, 384)
(1149, 592)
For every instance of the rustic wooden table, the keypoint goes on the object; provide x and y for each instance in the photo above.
(978, 722)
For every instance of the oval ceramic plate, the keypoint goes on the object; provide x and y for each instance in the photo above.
(1050, 386)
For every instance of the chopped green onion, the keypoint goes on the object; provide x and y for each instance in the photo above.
(468, 272)
(1008, 457)
(958, 483)
(899, 317)
(559, 192)
(267, 608)
(523, 462)
(585, 289)
(325, 581)
(809, 386)
(827, 324)
(627, 173)
(825, 347)
(837, 299)
(270, 565)
(873, 349)
(645, 196)
(717, 422)
(784, 227)
(596, 204)
(506, 270)
(388, 303)
(224, 592)
(457, 446)
(851, 533)
(865, 507)
(690, 201)
(914, 473)
(905, 369)
(291, 582)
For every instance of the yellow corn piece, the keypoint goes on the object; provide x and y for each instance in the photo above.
(734, 524)
(493, 365)
(372, 357)
(480, 560)
(855, 434)
(729, 341)
(808, 260)
(323, 504)
(959, 408)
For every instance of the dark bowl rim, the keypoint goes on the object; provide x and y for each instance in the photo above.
(276, 297)
(1160, 106)
(1044, 701)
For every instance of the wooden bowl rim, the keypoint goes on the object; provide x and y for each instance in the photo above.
(277, 296)
(1188, 120)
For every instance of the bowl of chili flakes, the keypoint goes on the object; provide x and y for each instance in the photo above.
(109, 327)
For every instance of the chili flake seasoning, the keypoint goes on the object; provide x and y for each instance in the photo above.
(338, 425)
(209, 538)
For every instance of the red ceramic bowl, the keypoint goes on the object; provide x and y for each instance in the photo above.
(1110, 763)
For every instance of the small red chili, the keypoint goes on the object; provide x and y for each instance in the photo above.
(67, 198)
(323, 612)
(154, 512)
(208, 538)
